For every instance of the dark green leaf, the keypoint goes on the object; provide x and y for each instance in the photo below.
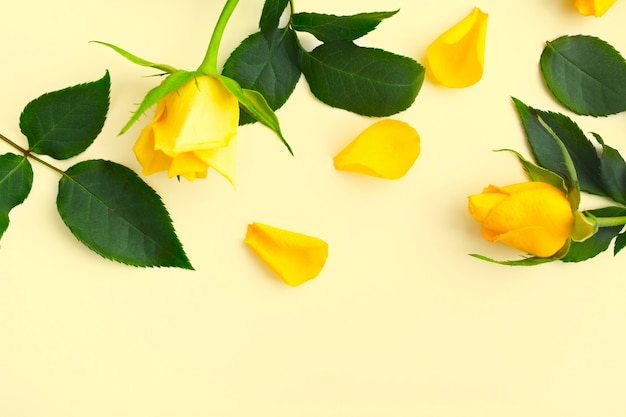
(173, 81)
(599, 242)
(114, 213)
(255, 104)
(270, 17)
(16, 180)
(136, 60)
(328, 28)
(620, 243)
(612, 172)
(546, 150)
(64, 123)
(586, 74)
(267, 64)
(366, 81)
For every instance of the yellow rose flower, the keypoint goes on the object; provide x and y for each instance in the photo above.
(593, 7)
(534, 217)
(386, 149)
(194, 128)
(457, 57)
(294, 257)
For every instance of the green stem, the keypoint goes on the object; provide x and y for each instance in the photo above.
(209, 63)
(610, 221)
(28, 154)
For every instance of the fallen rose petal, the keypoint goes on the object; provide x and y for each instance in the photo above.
(386, 149)
(593, 7)
(456, 58)
(294, 257)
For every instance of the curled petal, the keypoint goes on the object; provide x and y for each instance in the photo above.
(294, 257)
(223, 159)
(457, 57)
(187, 165)
(593, 7)
(386, 149)
(150, 159)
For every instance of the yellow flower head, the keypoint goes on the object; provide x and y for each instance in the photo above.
(386, 149)
(534, 217)
(457, 57)
(294, 257)
(593, 7)
(194, 128)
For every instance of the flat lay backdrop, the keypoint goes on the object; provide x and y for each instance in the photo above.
(400, 323)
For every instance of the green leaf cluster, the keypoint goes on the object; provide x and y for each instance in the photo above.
(594, 168)
(105, 205)
(587, 76)
(366, 81)
(567, 159)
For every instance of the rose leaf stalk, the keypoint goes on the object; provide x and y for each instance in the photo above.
(28, 154)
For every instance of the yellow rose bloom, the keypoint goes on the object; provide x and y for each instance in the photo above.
(534, 217)
(194, 128)
(294, 257)
(386, 149)
(457, 57)
(593, 7)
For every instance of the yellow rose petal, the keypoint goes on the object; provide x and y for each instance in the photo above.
(187, 165)
(533, 239)
(151, 160)
(223, 159)
(386, 149)
(194, 128)
(456, 58)
(294, 257)
(209, 118)
(593, 7)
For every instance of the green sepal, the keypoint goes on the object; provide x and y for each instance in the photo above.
(255, 104)
(136, 60)
(16, 180)
(64, 123)
(173, 81)
(599, 241)
(584, 226)
(571, 179)
(537, 173)
(328, 28)
(585, 74)
(270, 16)
(267, 63)
(366, 81)
(117, 215)
(530, 261)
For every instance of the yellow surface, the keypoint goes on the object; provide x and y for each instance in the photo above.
(400, 323)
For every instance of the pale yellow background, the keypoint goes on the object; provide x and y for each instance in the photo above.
(400, 323)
